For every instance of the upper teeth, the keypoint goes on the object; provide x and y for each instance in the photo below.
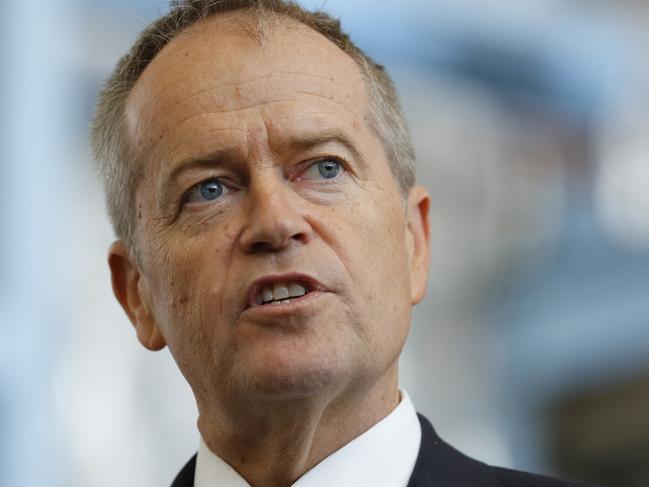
(280, 291)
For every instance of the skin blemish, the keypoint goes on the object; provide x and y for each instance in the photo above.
(228, 232)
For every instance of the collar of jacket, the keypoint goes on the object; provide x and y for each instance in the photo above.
(438, 465)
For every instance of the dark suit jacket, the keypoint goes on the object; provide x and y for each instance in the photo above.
(440, 465)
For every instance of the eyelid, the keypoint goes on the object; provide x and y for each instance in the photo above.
(306, 165)
(195, 187)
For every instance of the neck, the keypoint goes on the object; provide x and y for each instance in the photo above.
(275, 443)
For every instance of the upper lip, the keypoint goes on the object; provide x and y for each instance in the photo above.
(310, 283)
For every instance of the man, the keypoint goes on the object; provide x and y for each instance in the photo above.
(259, 176)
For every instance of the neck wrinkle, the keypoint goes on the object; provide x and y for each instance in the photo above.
(274, 447)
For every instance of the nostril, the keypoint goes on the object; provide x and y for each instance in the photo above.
(279, 244)
(259, 247)
(301, 237)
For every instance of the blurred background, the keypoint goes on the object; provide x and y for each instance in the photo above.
(531, 124)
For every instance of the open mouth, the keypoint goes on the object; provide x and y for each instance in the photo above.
(280, 292)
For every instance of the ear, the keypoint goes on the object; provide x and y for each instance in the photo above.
(418, 240)
(131, 291)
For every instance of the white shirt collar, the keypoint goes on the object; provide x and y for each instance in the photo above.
(383, 456)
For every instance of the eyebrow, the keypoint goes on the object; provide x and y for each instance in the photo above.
(226, 156)
(303, 142)
(215, 158)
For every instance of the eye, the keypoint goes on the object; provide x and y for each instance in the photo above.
(326, 168)
(205, 191)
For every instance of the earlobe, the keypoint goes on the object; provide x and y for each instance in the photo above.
(418, 241)
(130, 291)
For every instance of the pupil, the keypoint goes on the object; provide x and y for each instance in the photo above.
(329, 169)
(211, 190)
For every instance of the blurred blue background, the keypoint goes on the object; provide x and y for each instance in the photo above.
(531, 124)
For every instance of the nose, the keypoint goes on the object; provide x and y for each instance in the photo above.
(274, 218)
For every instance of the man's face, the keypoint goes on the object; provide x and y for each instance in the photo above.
(262, 178)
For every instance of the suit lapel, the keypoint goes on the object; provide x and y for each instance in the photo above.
(437, 465)
(186, 476)
(440, 465)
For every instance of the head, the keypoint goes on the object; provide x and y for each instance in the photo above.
(249, 153)
(120, 164)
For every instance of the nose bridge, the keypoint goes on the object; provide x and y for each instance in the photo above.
(273, 218)
(269, 193)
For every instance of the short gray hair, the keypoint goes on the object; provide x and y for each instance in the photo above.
(121, 172)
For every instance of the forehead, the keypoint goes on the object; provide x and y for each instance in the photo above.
(217, 71)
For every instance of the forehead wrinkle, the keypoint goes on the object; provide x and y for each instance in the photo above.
(237, 84)
(172, 151)
(212, 44)
(309, 138)
(230, 110)
(175, 49)
(323, 118)
(261, 104)
(228, 99)
(218, 86)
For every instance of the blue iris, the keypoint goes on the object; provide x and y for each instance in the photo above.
(211, 190)
(328, 168)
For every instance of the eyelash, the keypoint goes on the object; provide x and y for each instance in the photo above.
(312, 163)
(225, 188)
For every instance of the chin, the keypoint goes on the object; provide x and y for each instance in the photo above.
(292, 377)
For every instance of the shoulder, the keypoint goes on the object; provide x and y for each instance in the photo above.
(514, 478)
(439, 464)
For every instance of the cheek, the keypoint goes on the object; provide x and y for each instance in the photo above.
(377, 259)
(380, 228)
(189, 309)
(189, 287)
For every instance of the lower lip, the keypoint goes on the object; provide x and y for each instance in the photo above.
(292, 306)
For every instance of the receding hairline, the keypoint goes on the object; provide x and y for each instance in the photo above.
(256, 24)
(250, 24)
